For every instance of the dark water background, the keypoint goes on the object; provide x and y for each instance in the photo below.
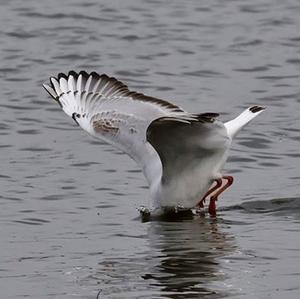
(69, 224)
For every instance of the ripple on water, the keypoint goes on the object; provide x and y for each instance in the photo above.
(28, 132)
(253, 69)
(53, 197)
(255, 142)
(277, 206)
(35, 149)
(32, 221)
(204, 73)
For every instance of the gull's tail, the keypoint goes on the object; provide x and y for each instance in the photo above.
(235, 125)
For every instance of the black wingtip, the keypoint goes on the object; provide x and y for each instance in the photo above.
(62, 75)
(84, 74)
(73, 73)
(255, 109)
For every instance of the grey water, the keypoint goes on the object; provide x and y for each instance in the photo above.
(68, 204)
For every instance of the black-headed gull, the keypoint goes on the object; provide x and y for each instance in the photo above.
(181, 154)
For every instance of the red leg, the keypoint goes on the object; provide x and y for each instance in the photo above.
(217, 186)
(214, 198)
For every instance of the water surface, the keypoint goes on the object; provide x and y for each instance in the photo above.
(69, 224)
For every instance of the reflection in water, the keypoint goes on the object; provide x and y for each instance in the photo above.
(180, 259)
(189, 256)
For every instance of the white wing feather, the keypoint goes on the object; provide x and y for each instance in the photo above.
(105, 108)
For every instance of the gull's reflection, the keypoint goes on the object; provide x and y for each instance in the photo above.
(189, 254)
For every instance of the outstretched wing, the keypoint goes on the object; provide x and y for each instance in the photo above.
(107, 109)
(76, 91)
(184, 147)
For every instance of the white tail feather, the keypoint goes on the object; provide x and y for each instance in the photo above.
(235, 125)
